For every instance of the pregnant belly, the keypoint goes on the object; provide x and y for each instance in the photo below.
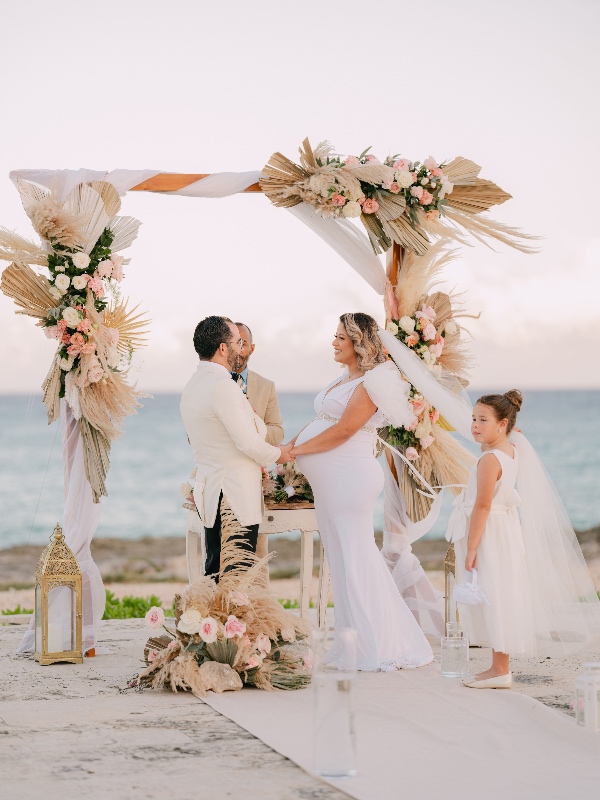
(359, 446)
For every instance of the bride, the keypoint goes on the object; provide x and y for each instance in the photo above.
(336, 452)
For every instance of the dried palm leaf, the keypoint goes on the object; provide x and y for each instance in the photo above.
(379, 238)
(370, 173)
(31, 292)
(31, 194)
(401, 231)
(88, 205)
(461, 171)
(51, 389)
(435, 227)
(133, 328)
(15, 248)
(478, 196)
(391, 207)
(109, 195)
(308, 160)
(124, 230)
(482, 228)
(96, 458)
(280, 173)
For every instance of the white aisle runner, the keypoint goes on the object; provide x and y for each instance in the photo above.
(422, 737)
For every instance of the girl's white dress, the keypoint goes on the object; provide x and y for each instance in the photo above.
(346, 482)
(507, 623)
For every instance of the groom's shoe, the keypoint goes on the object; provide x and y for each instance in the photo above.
(499, 682)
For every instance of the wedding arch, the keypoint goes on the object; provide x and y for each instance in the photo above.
(408, 209)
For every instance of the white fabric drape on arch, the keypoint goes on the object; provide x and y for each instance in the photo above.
(353, 246)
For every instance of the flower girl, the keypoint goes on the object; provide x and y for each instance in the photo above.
(509, 524)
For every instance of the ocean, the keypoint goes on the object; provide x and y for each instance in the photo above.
(153, 458)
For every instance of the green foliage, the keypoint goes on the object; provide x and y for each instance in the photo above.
(293, 604)
(131, 607)
(18, 610)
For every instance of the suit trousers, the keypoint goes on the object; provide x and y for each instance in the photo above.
(212, 538)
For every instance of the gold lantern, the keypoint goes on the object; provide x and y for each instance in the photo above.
(58, 623)
(450, 610)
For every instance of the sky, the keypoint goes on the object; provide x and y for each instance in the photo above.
(195, 87)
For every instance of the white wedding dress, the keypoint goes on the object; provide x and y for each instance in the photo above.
(346, 482)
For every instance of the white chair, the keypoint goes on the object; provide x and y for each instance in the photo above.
(274, 521)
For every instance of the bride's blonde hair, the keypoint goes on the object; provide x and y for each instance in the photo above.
(363, 332)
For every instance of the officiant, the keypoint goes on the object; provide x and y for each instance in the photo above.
(259, 391)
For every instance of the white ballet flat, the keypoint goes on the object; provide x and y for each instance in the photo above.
(499, 682)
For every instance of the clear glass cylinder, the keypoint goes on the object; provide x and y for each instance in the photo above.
(455, 655)
(334, 673)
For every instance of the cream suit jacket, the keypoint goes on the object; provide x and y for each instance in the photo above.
(263, 399)
(228, 440)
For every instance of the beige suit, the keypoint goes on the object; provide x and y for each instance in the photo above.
(229, 445)
(263, 399)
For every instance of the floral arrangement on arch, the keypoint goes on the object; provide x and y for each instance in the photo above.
(397, 199)
(78, 303)
(228, 634)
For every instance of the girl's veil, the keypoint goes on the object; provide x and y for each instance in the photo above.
(565, 603)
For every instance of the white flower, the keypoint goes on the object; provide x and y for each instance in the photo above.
(423, 428)
(185, 490)
(428, 357)
(263, 644)
(71, 317)
(55, 293)
(392, 328)
(190, 621)
(209, 628)
(447, 187)
(351, 209)
(79, 282)
(66, 364)
(62, 283)
(112, 357)
(424, 181)
(451, 327)
(80, 260)
(404, 178)
(407, 324)
(60, 267)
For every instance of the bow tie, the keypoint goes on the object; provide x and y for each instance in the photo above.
(235, 376)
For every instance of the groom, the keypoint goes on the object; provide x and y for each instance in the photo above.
(227, 437)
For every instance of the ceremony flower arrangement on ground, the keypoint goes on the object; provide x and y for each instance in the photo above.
(229, 634)
(80, 306)
(286, 484)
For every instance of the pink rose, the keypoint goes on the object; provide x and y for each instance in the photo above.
(370, 206)
(253, 662)
(62, 324)
(53, 332)
(155, 618)
(387, 182)
(77, 339)
(426, 198)
(233, 627)
(429, 332)
(351, 161)
(65, 338)
(411, 453)
(412, 340)
(338, 199)
(434, 415)
(263, 643)
(430, 163)
(416, 191)
(402, 164)
(95, 285)
(117, 260)
(394, 188)
(85, 326)
(426, 441)
(432, 214)
(437, 347)
(74, 350)
(104, 269)
(95, 374)
(280, 469)
(88, 349)
(436, 172)
(239, 598)
(117, 273)
(208, 630)
(418, 406)
(372, 160)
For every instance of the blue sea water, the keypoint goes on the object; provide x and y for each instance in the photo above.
(153, 458)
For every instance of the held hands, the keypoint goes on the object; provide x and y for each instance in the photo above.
(286, 450)
(470, 560)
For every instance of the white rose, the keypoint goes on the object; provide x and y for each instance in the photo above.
(62, 283)
(447, 187)
(185, 490)
(66, 364)
(60, 267)
(424, 181)
(80, 260)
(404, 178)
(190, 621)
(428, 357)
(55, 293)
(407, 324)
(392, 328)
(423, 428)
(351, 209)
(451, 327)
(71, 317)
(79, 282)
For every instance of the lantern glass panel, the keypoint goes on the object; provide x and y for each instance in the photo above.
(38, 618)
(61, 619)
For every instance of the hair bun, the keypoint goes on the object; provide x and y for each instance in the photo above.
(515, 398)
